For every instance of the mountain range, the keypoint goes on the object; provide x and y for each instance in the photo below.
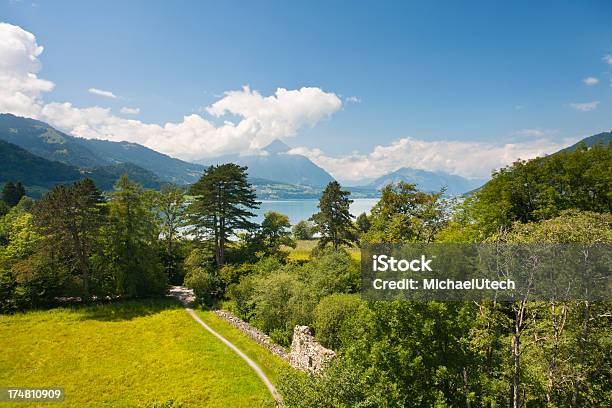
(275, 163)
(428, 181)
(43, 140)
(41, 156)
(40, 174)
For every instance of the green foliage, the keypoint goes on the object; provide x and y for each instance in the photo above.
(222, 206)
(363, 223)
(303, 230)
(130, 242)
(541, 188)
(571, 226)
(405, 214)
(275, 233)
(330, 272)
(205, 283)
(12, 193)
(170, 209)
(341, 385)
(281, 301)
(334, 220)
(69, 219)
(330, 316)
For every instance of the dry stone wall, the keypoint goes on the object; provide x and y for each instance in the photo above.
(306, 352)
(253, 333)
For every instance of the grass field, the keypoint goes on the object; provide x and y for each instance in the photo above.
(131, 354)
(271, 365)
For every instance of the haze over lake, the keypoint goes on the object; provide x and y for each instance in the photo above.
(298, 210)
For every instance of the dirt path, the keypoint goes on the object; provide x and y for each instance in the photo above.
(186, 296)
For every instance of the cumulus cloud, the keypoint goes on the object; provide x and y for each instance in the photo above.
(607, 59)
(353, 99)
(249, 120)
(130, 111)
(590, 81)
(20, 87)
(585, 107)
(107, 94)
(464, 158)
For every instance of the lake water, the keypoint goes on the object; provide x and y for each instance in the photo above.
(298, 210)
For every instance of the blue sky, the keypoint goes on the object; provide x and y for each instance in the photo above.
(484, 72)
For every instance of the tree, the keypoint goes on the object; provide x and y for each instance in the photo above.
(541, 188)
(363, 223)
(12, 193)
(275, 233)
(131, 238)
(170, 205)
(69, 219)
(222, 204)
(303, 230)
(334, 220)
(405, 214)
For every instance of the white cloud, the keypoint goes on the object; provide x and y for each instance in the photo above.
(353, 99)
(590, 81)
(107, 94)
(535, 132)
(20, 87)
(465, 158)
(585, 107)
(130, 111)
(256, 119)
(607, 59)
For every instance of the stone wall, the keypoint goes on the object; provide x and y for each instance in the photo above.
(253, 333)
(306, 352)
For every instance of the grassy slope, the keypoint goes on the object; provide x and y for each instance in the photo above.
(125, 355)
(271, 365)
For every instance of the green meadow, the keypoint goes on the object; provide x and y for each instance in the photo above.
(132, 354)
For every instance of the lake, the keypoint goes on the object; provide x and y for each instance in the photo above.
(298, 210)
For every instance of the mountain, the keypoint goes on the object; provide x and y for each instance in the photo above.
(165, 167)
(20, 165)
(428, 180)
(275, 163)
(605, 138)
(43, 140)
(39, 174)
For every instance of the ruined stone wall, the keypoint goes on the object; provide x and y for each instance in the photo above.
(307, 353)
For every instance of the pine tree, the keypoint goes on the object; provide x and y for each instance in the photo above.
(334, 220)
(222, 206)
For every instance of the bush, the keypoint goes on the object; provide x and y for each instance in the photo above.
(332, 272)
(330, 316)
(341, 384)
(281, 302)
(206, 284)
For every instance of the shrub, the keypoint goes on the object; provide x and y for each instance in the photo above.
(332, 272)
(281, 302)
(206, 284)
(330, 316)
